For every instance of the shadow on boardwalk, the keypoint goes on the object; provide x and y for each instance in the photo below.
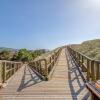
(29, 78)
(76, 83)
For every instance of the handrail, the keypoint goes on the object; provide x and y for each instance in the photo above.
(88, 65)
(92, 69)
(7, 69)
(44, 66)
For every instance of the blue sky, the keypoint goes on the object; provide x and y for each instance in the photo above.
(35, 24)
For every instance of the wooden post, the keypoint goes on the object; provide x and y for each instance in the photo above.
(56, 56)
(15, 67)
(0, 73)
(53, 60)
(40, 67)
(46, 70)
(75, 56)
(79, 60)
(50, 63)
(97, 71)
(88, 70)
(83, 69)
(50, 59)
(10, 73)
(92, 70)
(11, 69)
(4, 72)
(35, 65)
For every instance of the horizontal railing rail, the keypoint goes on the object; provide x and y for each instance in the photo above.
(88, 65)
(44, 66)
(7, 69)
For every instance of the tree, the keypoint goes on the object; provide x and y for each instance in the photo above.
(24, 55)
(5, 55)
(37, 53)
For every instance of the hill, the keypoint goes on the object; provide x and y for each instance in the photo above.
(7, 49)
(90, 48)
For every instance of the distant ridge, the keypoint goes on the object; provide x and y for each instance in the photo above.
(8, 49)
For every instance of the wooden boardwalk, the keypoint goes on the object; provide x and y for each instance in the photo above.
(66, 84)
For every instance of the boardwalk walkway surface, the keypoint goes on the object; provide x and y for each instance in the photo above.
(66, 84)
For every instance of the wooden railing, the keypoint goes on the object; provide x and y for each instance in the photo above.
(92, 69)
(88, 65)
(44, 67)
(7, 69)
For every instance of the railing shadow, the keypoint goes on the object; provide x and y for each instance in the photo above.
(75, 78)
(29, 78)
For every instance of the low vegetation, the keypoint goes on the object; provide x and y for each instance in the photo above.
(90, 48)
(20, 55)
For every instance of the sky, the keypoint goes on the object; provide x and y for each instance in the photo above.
(36, 24)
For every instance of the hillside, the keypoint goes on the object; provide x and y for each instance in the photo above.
(90, 48)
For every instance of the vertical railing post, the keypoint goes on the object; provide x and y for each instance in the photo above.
(11, 66)
(88, 70)
(46, 70)
(4, 72)
(53, 60)
(40, 67)
(83, 68)
(1, 73)
(97, 71)
(15, 67)
(92, 70)
(79, 60)
(35, 66)
(82, 61)
(50, 62)
(54, 57)
(75, 56)
(50, 59)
